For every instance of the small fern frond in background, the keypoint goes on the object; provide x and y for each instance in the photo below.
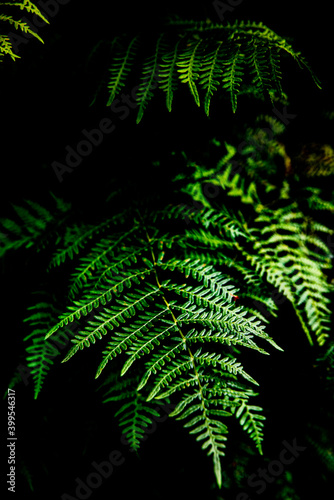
(34, 225)
(320, 438)
(40, 353)
(6, 47)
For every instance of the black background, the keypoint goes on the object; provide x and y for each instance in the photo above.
(44, 108)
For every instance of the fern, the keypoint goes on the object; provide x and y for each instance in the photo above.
(136, 414)
(212, 71)
(180, 303)
(6, 47)
(292, 256)
(297, 270)
(121, 68)
(233, 74)
(34, 226)
(149, 74)
(208, 57)
(141, 307)
(175, 297)
(189, 66)
(40, 354)
(167, 74)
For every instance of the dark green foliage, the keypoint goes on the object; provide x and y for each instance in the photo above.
(289, 244)
(240, 58)
(174, 293)
(34, 225)
(131, 280)
(178, 293)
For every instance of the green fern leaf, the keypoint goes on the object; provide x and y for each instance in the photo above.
(40, 353)
(121, 68)
(251, 422)
(189, 64)
(149, 74)
(5, 43)
(168, 74)
(213, 55)
(233, 74)
(212, 70)
(34, 226)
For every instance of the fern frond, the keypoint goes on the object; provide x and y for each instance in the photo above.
(233, 74)
(211, 57)
(40, 353)
(295, 269)
(208, 428)
(189, 64)
(20, 25)
(251, 422)
(5, 43)
(77, 237)
(316, 202)
(135, 414)
(158, 325)
(258, 61)
(135, 417)
(150, 73)
(121, 68)
(100, 258)
(276, 73)
(34, 226)
(177, 304)
(6, 48)
(212, 399)
(28, 6)
(289, 251)
(212, 70)
(168, 74)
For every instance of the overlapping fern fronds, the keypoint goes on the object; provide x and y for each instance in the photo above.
(207, 57)
(173, 320)
(6, 47)
(174, 296)
(287, 244)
